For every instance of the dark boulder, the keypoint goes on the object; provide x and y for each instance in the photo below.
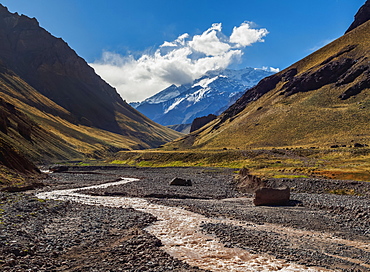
(181, 182)
(58, 168)
(272, 196)
(360, 145)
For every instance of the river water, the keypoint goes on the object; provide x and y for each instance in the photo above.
(180, 233)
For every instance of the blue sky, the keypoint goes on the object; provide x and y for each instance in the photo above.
(113, 33)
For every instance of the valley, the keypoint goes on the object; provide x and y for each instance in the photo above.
(108, 230)
(85, 176)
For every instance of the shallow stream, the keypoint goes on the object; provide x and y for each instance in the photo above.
(180, 233)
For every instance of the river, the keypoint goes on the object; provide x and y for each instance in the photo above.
(180, 233)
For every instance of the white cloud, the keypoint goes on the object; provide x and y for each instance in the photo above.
(244, 35)
(177, 62)
(179, 41)
(209, 43)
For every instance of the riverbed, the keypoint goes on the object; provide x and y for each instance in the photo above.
(211, 226)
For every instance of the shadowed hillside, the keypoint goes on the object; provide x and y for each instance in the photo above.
(54, 107)
(41, 73)
(322, 100)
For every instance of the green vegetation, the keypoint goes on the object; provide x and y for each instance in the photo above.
(343, 192)
(345, 163)
(42, 130)
(1, 216)
(10, 178)
(290, 176)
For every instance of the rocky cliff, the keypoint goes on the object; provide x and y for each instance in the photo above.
(362, 16)
(201, 121)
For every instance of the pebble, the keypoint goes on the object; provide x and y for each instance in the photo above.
(66, 235)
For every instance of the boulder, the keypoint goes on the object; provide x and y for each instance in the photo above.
(181, 182)
(58, 168)
(360, 145)
(247, 183)
(271, 196)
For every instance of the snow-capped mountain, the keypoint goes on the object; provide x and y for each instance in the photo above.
(210, 94)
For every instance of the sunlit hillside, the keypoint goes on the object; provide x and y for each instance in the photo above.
(320, 101)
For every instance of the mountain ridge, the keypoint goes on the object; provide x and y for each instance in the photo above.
(55, 107)
(321, 100)
(209, 94)
(362, 16)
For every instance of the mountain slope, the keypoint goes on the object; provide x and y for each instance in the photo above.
(321, 100)
(63, 109)
(210, 94)
(362, 16)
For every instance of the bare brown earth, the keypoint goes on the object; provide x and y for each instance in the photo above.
(316, 229)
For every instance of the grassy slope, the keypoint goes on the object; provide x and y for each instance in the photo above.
(54, 138)
(284, 136)
(334, 163)
(315, 118)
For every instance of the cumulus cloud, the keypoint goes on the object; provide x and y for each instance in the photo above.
(209, 43)
(176, 62)
(244, 35)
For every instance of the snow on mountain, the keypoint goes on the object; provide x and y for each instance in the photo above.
(205, 82)
(210, 94)
(165, 95)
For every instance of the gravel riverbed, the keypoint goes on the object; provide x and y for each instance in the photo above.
(317, 229)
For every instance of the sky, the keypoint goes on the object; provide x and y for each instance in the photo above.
(142, 46)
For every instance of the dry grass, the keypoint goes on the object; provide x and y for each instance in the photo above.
(344, 163)
(316, 118)
(56, 137)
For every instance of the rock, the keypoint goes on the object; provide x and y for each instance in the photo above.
(329, 72)
(58, 168)
(360, 145)
(11, 262)
(247, 183)
(181, 182)
(357, 88)
(201, 121)
(362, 16)
(271, 196)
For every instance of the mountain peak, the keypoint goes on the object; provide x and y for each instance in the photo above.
(209, 94)
(3, 9)
(362, 16)
(65, 99)
(320, 101)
